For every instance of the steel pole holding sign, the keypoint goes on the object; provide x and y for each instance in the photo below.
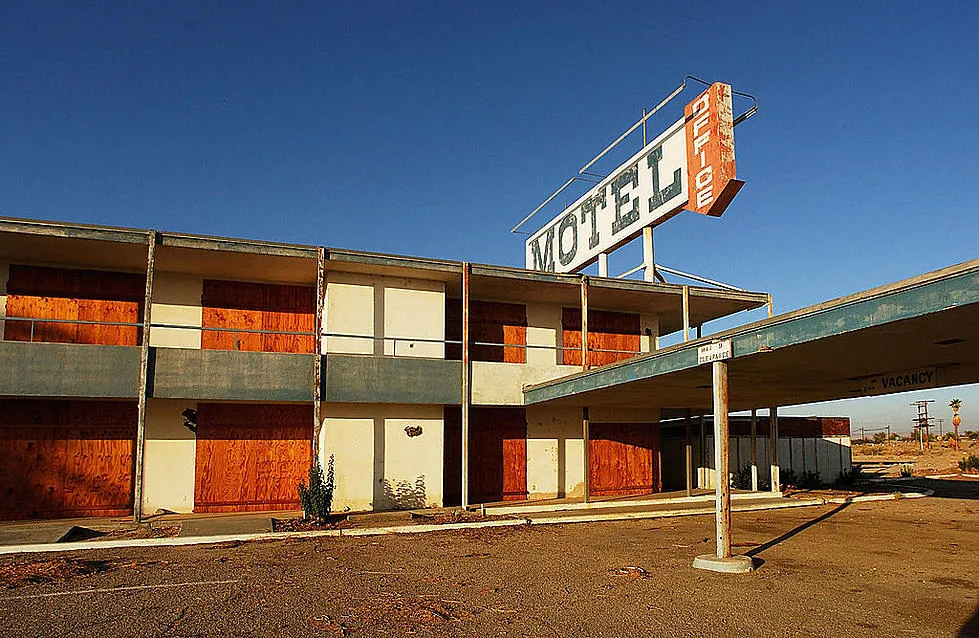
(718, 354)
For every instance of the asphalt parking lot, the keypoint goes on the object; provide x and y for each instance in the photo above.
(905, 567)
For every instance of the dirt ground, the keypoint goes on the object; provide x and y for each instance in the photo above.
(904, 567)
(940, 459)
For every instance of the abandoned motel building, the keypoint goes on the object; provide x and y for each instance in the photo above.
(144, 372)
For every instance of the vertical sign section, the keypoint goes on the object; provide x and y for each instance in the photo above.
(711, 178)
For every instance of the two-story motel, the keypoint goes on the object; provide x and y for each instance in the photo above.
(144, 371)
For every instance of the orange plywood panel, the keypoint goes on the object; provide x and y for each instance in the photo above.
(623, 459)
(251, 457)
(259, 311)
(612, 336)
(72, 295)
(66, 458)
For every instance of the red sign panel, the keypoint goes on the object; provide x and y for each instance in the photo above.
(711, 179)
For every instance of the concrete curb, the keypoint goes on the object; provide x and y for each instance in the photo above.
(881, 497)
(178, 541)
(942, 476)
(517, 510)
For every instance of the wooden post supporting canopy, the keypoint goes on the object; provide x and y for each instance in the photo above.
(466, 272)
(144, 356)
(723, 561)
(318, 350)
(586, 457)
(688, 447)
(754, 450)
(584, 322)
(773, 444)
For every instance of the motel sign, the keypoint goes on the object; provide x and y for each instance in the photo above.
(689, 166)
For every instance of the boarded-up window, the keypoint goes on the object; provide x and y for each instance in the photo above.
(624, 459)
(87, 305)
(612, 336)
(66, 458)
(251, 457)
(258, 317)
(497, 331)
(497, 454)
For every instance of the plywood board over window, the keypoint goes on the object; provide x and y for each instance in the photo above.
(251, 457)
(66, 459)
(497, 331)
(497, 454)
(624, 459)
(612, 336)
(252, 317)
(87, 301)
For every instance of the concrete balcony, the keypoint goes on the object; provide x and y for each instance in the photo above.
(379, 379)
(68, 370)
(229, 375)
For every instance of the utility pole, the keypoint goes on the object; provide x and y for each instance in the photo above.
(863, 439)
(941, 423)
(888, 433)
(923, 421)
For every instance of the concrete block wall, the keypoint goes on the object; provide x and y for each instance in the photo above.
(376, 464)
(830, 456)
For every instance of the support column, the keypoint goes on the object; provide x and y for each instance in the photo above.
(686, 313)
(466, 375)
(722, 455)
(702, 470)
(723, 561)
(586, 452)
(773, 444)
(689, 453)
(318, 350)
(144, 357)
(603, 264)
(584, 322)
(648, 263)
(754, 450)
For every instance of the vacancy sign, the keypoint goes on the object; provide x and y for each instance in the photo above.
(710, 151)
(688, 166)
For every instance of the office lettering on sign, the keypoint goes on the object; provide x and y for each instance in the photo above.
(710, 151)
(647, 189)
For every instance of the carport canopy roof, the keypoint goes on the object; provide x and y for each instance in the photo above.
(882, 340)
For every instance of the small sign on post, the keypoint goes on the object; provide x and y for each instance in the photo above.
(716, 351)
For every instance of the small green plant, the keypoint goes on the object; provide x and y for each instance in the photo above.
(907, 470)
(810, 481)
(741, 480)
(850, 477)
(970, 464)
(316, 499)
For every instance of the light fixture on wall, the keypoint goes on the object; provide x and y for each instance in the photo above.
(413, 430)
(190, 419)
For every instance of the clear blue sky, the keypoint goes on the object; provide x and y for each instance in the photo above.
(431, 128)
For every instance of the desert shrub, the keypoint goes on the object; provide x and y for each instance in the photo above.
(907, 471)
(970, 464)
(850, 477)
(316, 499)
(810, 481)
(741, 479)
(787, 477)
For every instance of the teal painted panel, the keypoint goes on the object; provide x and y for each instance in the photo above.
(850, 314)
(375, 379)
(68, 370)
(226, 375)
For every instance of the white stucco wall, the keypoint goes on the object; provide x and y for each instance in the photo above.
(376, 464)
(4, 276)
(176, 302)
(170, 454)
(397, 311)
